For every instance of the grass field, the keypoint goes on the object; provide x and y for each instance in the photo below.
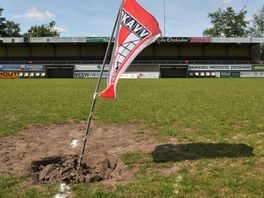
(220, 118)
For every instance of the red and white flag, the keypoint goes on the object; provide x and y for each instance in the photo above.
(137, 30)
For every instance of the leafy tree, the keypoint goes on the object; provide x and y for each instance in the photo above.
(8, 28)
(217, 21)
(2, 24)
(227, 23)
(46, 30)
(12, 29)
(257, 30)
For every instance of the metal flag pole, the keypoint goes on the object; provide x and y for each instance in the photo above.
(87, 129)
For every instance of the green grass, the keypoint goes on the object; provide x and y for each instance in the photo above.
(12, 187)
(214, 114)
(146, 186)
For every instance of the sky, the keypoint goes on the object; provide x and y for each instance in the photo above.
(96, 17)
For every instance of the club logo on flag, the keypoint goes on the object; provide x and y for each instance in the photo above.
(137, 30)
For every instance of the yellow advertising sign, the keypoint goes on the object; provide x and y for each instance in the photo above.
(9, 74)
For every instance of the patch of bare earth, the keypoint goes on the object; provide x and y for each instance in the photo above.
(30, 150)
(65, 169)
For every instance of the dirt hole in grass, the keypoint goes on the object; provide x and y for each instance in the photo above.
(19, 151)
(93, 169)
(32, 148)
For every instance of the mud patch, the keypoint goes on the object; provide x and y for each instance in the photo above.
(93, 169)
(18, 152)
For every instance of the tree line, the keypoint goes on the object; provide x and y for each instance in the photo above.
(10, 28)
(225, 23)
(228, 23)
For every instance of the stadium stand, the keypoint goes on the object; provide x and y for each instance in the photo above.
(169, 57)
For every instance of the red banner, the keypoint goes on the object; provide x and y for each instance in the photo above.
(137, 30)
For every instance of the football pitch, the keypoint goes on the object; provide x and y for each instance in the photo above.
(214, 127)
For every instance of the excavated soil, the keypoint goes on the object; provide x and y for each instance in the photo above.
(49, 154)
(65, 169)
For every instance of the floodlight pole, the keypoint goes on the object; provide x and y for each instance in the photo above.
(164, 17)
(87, 129)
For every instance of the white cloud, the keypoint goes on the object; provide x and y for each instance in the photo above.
(60, 29)
(35, 14)
(224, 3)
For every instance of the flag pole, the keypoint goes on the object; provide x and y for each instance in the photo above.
(87, 129)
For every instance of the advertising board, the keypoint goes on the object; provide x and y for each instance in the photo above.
(21, 67)
(258, 67)
(174, 40)
(148, 75)
(231, 40)
(252, 74)
(218, 67)
(57, 40)
(228, 74)
(88, 74)
(128, 75)
(13, 40)
(91, 67)
(9, 74)
(200, 40)
(38, 39)
(97, 39)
